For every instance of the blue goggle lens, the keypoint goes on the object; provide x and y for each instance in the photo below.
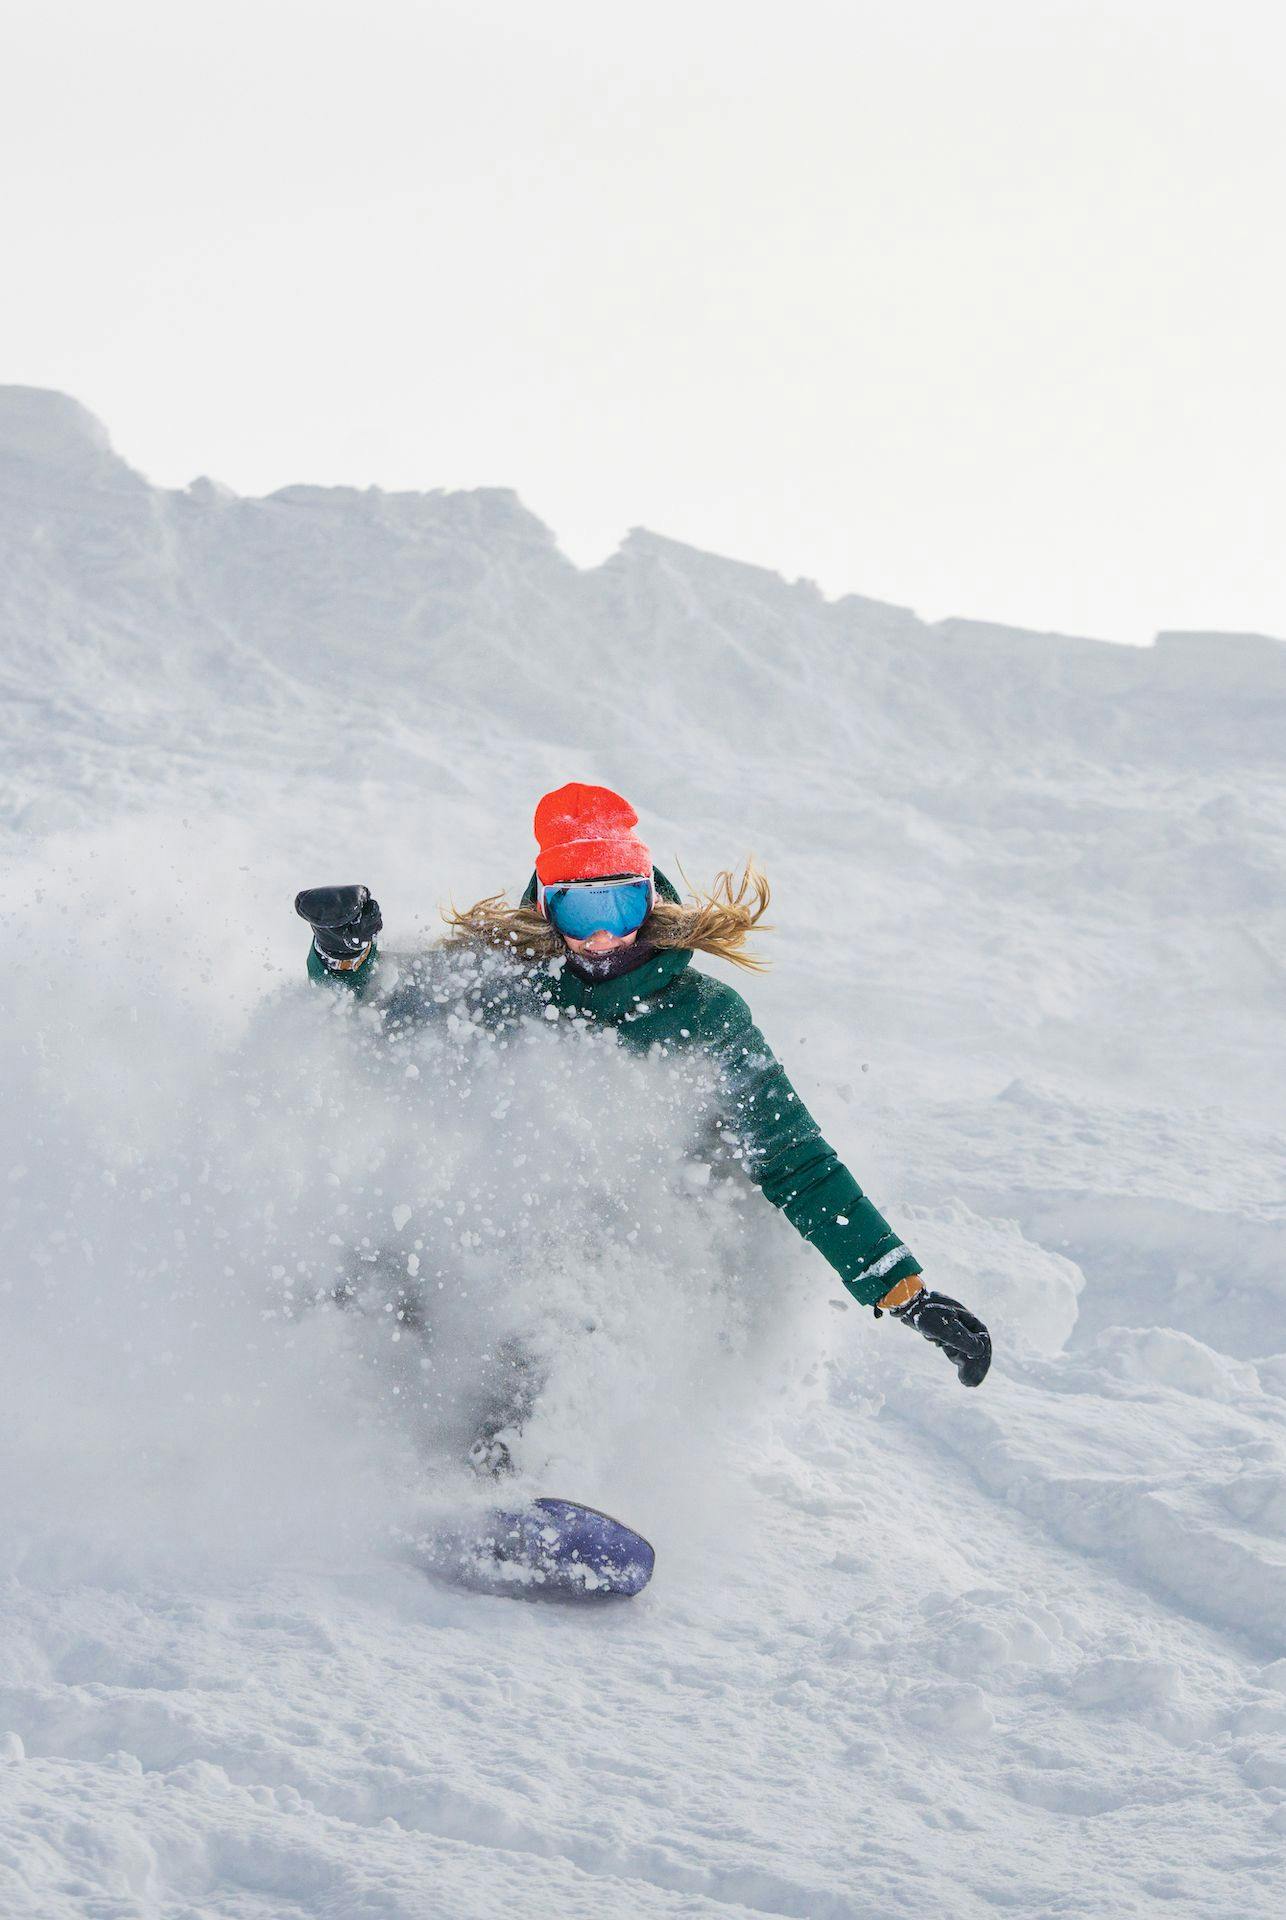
(598, 906)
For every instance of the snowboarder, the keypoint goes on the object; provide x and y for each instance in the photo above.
(601, 933)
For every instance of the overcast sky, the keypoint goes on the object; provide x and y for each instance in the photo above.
(978, 307)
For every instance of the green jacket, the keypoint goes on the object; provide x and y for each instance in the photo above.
(668, 1005)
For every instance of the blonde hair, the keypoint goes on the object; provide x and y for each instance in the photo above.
(714, 921)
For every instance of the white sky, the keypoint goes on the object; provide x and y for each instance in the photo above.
(974, 305)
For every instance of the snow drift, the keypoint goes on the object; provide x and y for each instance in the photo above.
(907, 1649)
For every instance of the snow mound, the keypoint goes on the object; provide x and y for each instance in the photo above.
(52, 431)
(1031, 1292)
(908, 1649)
(1174, 1359)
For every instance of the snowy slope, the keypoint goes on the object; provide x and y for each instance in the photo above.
(908, 1650)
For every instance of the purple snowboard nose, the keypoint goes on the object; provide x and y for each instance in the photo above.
(554, 1547)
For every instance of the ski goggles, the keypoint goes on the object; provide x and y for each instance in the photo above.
(579, 908)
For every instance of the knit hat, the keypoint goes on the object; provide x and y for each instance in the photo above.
(584, 833)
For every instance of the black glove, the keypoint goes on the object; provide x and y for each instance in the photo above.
(343, 919)
(959, 1333)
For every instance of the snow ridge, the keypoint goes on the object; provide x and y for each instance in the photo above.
(909, 1650)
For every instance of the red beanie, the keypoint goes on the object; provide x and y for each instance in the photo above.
(584, 833)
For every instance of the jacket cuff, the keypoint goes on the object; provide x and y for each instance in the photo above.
(352, 963)
(870, 1286)
(319, 968)
(901, 1293)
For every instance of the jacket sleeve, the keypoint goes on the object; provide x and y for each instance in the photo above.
(795, 1167)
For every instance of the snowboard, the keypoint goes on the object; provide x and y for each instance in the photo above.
(554, 1549)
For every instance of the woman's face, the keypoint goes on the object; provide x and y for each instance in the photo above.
(601, 941)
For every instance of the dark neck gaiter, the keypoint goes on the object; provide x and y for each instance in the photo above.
(593, 968)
